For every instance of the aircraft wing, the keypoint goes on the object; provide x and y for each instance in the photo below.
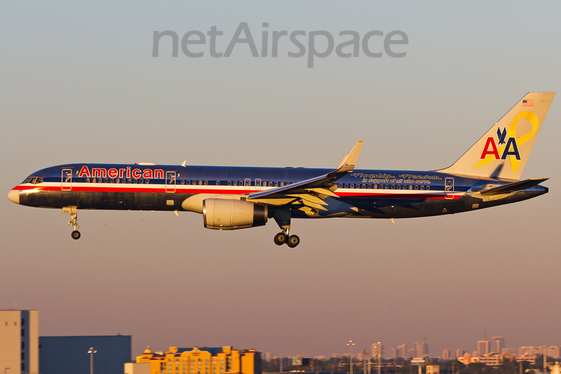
(310, 192)
(515, 186)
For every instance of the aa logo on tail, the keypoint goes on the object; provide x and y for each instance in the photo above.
(490, 149)
(506, 143)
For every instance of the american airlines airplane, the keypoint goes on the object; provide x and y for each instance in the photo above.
(231, 198)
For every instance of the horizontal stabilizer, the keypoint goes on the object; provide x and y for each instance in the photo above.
(511, 187)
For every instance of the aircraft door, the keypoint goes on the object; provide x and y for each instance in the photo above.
(449, 188)
(170, 181)
(66, 180)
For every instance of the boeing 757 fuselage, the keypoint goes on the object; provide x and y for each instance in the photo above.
(230, 198)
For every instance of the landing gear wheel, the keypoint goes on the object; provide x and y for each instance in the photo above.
(280, 238)
(293, 241)
(76, 234)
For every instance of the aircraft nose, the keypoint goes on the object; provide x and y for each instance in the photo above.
(13, 195)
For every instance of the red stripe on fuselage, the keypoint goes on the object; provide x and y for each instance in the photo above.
(217, 191)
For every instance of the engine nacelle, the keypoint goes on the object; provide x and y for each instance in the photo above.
(226, 214)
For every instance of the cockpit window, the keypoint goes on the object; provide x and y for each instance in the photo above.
(33, 180)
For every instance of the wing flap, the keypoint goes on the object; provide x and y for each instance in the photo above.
(309, 198)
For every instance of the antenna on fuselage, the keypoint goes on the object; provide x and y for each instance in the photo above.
(184, 163)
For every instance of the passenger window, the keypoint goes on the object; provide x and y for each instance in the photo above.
(206, 183)
(218, 183)
(229, 183)
(235, 183)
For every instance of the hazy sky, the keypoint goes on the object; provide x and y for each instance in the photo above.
(79, 84)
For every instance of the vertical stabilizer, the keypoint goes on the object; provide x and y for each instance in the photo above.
(503, 151)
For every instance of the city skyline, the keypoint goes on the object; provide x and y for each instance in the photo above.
(387, 352)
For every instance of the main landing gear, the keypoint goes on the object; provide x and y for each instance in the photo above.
(290, 240)
(282, 216)
(73, 211)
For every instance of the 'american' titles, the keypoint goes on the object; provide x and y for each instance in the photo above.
(127, 172)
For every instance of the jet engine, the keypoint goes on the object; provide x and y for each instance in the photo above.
(226, 214)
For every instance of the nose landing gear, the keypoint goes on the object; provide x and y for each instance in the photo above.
(73, 211)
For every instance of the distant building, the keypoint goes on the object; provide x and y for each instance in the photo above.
(465, 359)
(511, 351)
(412, 353)
(497, 344)
(433, 369)
(445, 355)
(530, 358)
(526, 351)
(554, 351)
(203, 360)
(402, 350)
(136, 368)
(491, 360)
(482, 347)
(393, 353)
(421, 349)
(69, 354)
(19, 341)
(459, 353)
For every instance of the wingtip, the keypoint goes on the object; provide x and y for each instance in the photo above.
(349, 161)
